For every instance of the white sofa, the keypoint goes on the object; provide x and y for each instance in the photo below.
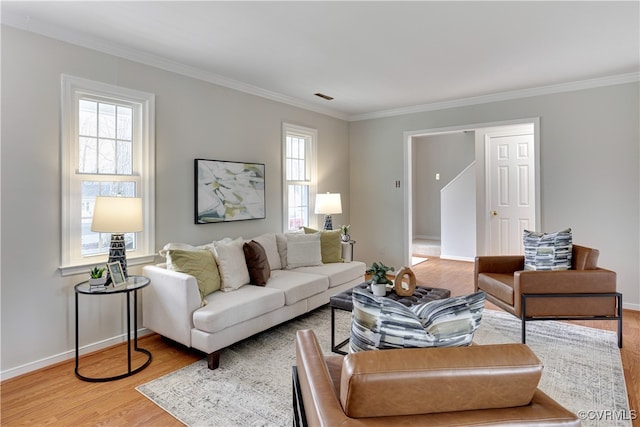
(172, 304)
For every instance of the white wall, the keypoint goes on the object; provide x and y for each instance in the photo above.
(590, 161)
(459, 216)
(194, 119)
(447, 155)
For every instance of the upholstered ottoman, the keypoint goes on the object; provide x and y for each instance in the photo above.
(344, 301)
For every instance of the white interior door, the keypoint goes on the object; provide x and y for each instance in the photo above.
(511, 192)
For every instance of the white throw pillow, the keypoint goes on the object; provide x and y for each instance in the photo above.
(303, 250)
(268, 242)
(180, 246)
(231, 263)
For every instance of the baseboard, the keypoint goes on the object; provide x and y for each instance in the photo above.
(423, 237)
(457, 258)
(67, 355)
(628, 306)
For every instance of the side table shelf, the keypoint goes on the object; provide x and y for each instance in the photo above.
(133, 284)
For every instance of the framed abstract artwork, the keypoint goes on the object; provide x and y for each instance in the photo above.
(228, 191)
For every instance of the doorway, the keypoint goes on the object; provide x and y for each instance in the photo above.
(481, 243)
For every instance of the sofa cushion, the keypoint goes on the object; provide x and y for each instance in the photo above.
(330, 244)
(338, 273)
(297, 286)
(232, 264)
(269, 243)
(225, 309)
(303, 250)
(198, 263)
(257, 263)
(547, 251)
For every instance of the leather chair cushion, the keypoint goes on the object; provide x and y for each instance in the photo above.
(419, 381)
(498, 285)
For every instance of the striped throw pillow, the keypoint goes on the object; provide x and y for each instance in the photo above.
(382, 323)
(547, 251)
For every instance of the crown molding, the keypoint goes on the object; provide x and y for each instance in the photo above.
(502, 96)
(101, 45)
(62, 34)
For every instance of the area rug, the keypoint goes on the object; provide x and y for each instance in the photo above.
(252, 386)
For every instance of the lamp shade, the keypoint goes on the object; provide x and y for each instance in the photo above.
(117, 215)
(328, 204)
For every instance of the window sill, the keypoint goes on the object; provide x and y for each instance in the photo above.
(72, 270)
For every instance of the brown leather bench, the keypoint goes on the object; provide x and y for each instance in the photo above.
(456, 386)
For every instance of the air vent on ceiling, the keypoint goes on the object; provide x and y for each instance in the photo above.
(323, 96)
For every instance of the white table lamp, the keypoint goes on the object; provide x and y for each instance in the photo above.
(117, 215)
(328, 204)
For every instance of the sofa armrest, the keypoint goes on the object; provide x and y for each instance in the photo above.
(400, 382)
(169, 303)
(595, 281)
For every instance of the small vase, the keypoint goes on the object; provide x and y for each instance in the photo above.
(378, 289)
(98, 282)
(345, 237)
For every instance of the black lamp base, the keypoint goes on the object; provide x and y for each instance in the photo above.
(328, 223)
(117, 253)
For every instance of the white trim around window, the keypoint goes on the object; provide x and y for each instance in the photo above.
(143, 104)
(304, 176)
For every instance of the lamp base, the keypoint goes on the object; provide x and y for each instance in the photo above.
(328, 223)
(117, 253)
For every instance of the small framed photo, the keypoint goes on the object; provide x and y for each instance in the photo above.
(117, 275)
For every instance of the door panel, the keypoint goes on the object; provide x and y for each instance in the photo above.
(511, 192)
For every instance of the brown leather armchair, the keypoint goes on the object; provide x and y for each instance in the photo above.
(452, 386)
(584, 292)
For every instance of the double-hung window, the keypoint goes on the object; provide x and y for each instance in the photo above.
(107, 146)
(299, 160)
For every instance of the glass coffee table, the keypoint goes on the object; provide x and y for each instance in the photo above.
(344, 301)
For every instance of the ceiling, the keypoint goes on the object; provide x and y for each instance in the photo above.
(372, 57)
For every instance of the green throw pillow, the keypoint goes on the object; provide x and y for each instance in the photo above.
(330, 244)
(200, 264)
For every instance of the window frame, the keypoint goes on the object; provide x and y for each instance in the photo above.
(72, 90)
(311, 162)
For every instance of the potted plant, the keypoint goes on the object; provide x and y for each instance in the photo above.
(379, 279)
(96, 278)
(345, 237)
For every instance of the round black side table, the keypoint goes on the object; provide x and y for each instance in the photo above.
(131, 287)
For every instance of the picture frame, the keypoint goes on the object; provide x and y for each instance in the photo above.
(228, 191)
(116, 273)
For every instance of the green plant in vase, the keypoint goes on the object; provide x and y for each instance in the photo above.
(379, 279)
(95, 276)
(344, 229)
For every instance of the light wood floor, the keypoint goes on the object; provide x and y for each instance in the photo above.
(55, 397)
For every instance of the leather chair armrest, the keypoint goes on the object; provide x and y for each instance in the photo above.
(599, 280)
(499, 264)
(319, 396)
(423, 381)
(502, 264)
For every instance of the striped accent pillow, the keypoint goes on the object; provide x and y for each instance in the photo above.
(382, 323)
(547, 251)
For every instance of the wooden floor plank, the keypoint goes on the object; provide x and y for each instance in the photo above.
(53, 396)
